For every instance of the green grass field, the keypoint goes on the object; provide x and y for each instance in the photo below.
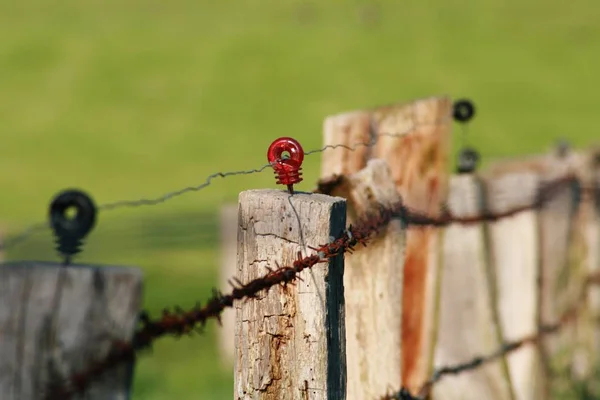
(131, 98)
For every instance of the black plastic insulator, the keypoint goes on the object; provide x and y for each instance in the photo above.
(70, 232)
(463, 110)
(468, 159)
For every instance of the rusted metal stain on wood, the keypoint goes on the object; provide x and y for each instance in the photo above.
(413, 307)
(280, 336)
(279, 342)
(413, 139)
(418, 162)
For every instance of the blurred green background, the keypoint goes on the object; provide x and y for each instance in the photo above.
(128, 99)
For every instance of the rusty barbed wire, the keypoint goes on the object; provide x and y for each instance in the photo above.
(180, 322)
(504, 349)
(545, 193)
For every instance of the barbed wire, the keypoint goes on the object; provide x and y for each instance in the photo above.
(180, 322)
(37, 227)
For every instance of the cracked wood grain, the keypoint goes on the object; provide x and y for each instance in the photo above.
(290, 341)
(55, 320)
(467, 327)
(413, 138)
(373, 287)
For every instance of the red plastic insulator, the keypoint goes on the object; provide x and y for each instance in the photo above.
(286, 169)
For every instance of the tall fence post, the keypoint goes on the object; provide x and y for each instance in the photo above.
(559, 280)
(56, 319)
(593, 263)
(290, 341)
(585, 257)
(413, 138)
(467, 327)
(228, 218)
(373, 286)
(514, 257)
(560, 270)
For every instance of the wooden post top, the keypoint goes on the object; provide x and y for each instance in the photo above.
(56, 321)
(290, 340)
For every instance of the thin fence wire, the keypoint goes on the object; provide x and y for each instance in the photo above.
(176, 193)
(37, 227)
(180, 322)
(23, 236)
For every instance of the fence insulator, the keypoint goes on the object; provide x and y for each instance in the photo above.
(287, 169)
(463, 110)
(468, 159)
(70, 231)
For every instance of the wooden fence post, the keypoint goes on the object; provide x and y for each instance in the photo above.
(228, 243)
(467, 327)
(290, 342)
(560, 270)
(593, 259)
(559, 280)
(585, 258)
(373, 287)
(413, 138)
(514, 258)
(55, 320)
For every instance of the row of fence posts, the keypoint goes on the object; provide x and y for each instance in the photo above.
(416, 298)
(361, 324)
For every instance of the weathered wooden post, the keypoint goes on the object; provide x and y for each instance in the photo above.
(413, 138)
(585, 259)
(514, 257)
(559, 280)
(290, 341)
(559, 277)
(373, 286)
(467, 327)
(593, 259)
(228, 242)
(58, 318)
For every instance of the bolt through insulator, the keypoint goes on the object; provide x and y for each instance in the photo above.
(287, 169)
